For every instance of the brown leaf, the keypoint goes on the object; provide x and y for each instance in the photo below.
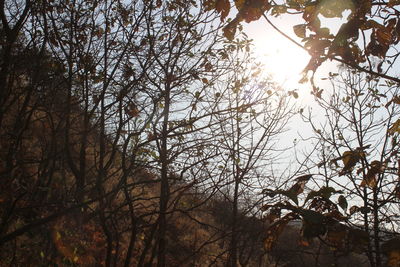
(384, 37)
(393, 3)
(395, 128)
(370, 179)
(230, 29)
(350, 159)
(252, 10)
(300, 30)
(239, 4)
(132, 110)
(223, 7)
(274, 231)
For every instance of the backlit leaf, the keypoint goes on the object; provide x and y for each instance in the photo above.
(230, 29)
(223, 7)
(300, 30)
(350, 159)
(334, 9)
(395, 128)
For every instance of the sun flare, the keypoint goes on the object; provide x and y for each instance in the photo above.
(283, 60)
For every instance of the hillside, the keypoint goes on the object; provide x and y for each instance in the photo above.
(147, 133)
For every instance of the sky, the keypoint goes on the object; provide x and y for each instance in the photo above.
(285, 61)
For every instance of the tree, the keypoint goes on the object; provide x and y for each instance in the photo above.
(251, 112)
(357, 163)
(360, 134)
(104, 102)
(370, 31)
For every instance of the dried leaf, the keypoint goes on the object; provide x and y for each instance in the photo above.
(223, 7)
(230, 29)
(274, 231)
(300, 30)
(395, 128)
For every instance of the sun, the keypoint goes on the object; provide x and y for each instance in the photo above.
(283, 60)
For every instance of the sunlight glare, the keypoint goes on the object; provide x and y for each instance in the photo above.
(282, 59)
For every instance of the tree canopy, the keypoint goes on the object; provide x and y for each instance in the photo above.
(370, 29)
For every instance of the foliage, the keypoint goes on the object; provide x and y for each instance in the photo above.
(371, 29)
(359, 155)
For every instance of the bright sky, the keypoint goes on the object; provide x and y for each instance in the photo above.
(285, 61)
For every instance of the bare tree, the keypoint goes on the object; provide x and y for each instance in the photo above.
(358, 156)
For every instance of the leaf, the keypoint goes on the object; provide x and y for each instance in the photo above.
(370, 180)
(354, 209)
(335, 214)
(396, 100)
(342, 202)
(278, 10)
(393, 3)
(274, 214)
(293, 93)
(334, 9)
(274, 231)
(230, 29)
(395, 128)
(350, 159)
(324, 33)
(298, 187)
(313, 224)
(223, 7)
(384, 37)
(312, 216)
(324, 192)
(300, 30)
(239, 4)
(294, 191)
(132, 110)
(252, 10)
